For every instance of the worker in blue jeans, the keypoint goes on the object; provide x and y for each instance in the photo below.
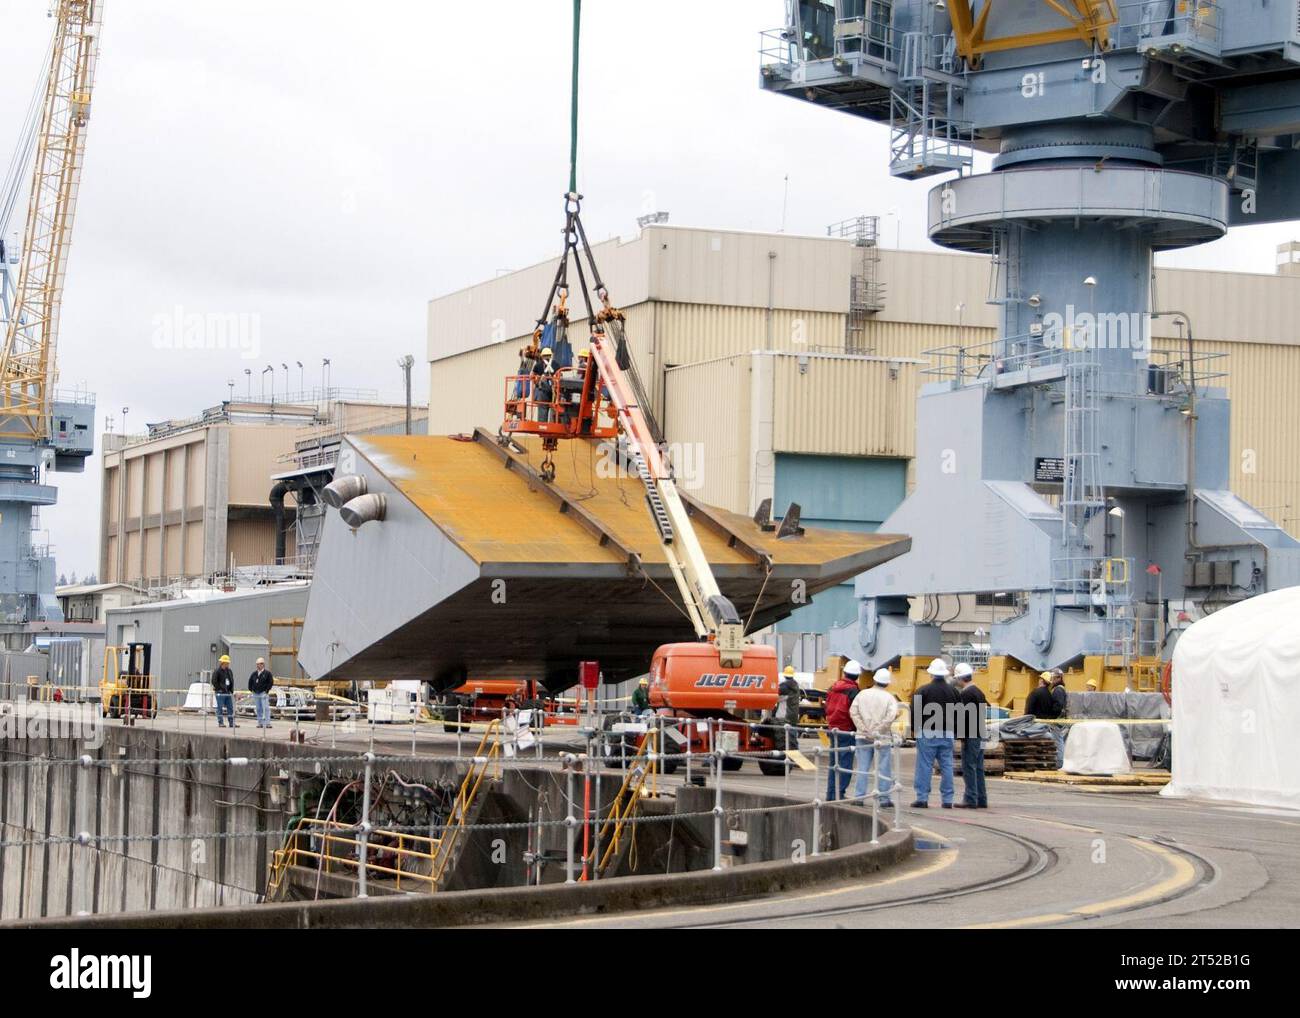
(223, 687)
(973, 731)
(260, 684)
(840, 729)
(933, 719)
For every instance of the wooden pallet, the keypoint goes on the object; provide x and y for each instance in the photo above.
(1029, 754)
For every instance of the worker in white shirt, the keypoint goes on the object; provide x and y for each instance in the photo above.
(873, 712)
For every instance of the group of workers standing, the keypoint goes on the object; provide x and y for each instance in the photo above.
(260, 684)
(860, 723)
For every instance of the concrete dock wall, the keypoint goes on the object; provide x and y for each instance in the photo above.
(174, 826)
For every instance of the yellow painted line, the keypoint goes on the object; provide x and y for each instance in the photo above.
(1056, 823)
(1183, 875)
(946, 858)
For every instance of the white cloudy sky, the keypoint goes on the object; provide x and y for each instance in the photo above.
(327, 167)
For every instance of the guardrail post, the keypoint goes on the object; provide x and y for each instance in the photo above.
(690, 738)
(786, 728)
(817, 825)
(365, 828)
(570, 822)
(595, 858)
(459, 721)
(876, 750)
(717, 805)
(895, 787)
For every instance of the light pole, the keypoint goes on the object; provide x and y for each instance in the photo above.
(286, 380)
(302, 379)
(406, 363)
(264, 371)
(248, 377)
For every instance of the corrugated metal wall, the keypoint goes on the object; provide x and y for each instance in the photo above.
(708, 407)
(664, 263)
(180, 656)
(856, 407)
(847, 405)
(1262, 383)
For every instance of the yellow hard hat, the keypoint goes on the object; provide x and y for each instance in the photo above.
(645, 682)
(1046, 676)
(789, 670)
(584, 352)
(546, 351)
(1091, 683)
(224, 659)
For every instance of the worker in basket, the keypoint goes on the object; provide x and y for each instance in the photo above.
(571, 389)
(544, 385)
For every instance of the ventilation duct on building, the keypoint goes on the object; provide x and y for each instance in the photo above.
(276, 499)
(363, 509)
(344, 489)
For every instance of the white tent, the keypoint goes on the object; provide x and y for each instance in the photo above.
(1236, 704)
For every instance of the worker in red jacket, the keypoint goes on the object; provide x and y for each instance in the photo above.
(840, 728)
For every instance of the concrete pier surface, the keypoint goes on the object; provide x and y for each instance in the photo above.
(1040, 856)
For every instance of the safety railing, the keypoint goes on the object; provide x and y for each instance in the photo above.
(551, 405)
(1175, 26)
(398, 855)
(626, 800)
(869, 34)
(487, 754)
(1169, 371)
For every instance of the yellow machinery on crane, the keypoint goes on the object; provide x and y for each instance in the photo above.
(39, 429)
(1087, 20)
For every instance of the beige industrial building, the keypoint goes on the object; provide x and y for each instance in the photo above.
(196, 503)
(787, 367)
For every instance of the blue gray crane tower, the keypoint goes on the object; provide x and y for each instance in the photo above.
(1053, 460)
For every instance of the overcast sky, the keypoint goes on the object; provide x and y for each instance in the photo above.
(323, 169)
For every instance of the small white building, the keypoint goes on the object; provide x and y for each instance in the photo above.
(87, 602)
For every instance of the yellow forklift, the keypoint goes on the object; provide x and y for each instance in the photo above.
(126, 688)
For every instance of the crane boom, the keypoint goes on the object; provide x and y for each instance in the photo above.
(28, 357)
(711, 612)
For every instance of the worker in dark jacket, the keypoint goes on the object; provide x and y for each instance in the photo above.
(971, 728)
(840, 729)
(934, 728)
(223, 686)
(641, 697)
(1060, 698)
(785, 715)
(259, 684)
(791, 698)
(1039, 702)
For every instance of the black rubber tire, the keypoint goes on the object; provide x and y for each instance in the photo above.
(773, 768)
(732, 763)
(669, 766)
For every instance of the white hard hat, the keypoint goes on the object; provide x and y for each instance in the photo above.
(882, 677)
(963, 671)
(938, 667)
(852, 668)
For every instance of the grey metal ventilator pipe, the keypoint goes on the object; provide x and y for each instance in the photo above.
(363, 509)
(343, 490)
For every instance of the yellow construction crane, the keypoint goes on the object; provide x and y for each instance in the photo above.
(1086, 20)
(27, 360)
